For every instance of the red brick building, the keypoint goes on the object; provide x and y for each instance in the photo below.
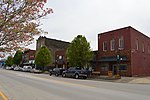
(61, 59)
(125, 51)
(28, 57)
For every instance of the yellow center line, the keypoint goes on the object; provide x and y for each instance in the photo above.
(3, 96)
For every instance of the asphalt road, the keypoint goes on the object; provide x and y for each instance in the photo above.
(29, 86)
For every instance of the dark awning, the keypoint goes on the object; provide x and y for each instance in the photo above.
(112, 59)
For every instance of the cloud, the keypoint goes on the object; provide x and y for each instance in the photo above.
(91, 17)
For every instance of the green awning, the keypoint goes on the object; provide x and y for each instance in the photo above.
(112, 59)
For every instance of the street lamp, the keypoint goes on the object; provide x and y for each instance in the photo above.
(118, 62)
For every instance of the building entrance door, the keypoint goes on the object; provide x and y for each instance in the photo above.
(114, 70)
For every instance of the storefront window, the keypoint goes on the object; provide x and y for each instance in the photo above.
(104, 67)
(123, 67)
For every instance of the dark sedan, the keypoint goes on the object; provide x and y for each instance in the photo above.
(56, 71)
(76, 72)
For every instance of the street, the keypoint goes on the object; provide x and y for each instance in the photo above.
(28, 86)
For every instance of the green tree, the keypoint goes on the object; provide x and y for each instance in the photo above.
(17, 57)
(9, 61)
(79, 53)
(43, 57)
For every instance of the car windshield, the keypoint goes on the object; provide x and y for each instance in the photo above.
(78, 68)
(55, 69)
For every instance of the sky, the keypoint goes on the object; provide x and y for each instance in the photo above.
(91, 17)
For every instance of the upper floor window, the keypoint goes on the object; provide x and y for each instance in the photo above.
(105, 46)
(99, 37)
(143, 48)
(148, 48)
(137, 45)
(121, 42)
(112, 44)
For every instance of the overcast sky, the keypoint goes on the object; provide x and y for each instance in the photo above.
(91, 17)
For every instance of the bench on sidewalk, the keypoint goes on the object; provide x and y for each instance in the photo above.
(95, 74)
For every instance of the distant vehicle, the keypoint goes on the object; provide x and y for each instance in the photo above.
(9, 68)
(36, 70)
(76, 72)
(17, 68)
(27, 68)
(56, 71)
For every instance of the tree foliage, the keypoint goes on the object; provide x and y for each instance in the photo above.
(79, 53)
(43, 57)
(19, 22)
(17, 57)
(9, 61)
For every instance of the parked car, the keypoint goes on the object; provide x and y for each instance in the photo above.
(9, 68)
(17, 68)
(56, 71)
(27, 68)
(76, 72)
(36, 70)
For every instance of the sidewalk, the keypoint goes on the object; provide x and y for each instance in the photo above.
(136, 80)
(144, 80)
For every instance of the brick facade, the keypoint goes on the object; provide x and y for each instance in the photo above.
(28, 57)
(61, 59)
(56, 47)
(132, 61)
